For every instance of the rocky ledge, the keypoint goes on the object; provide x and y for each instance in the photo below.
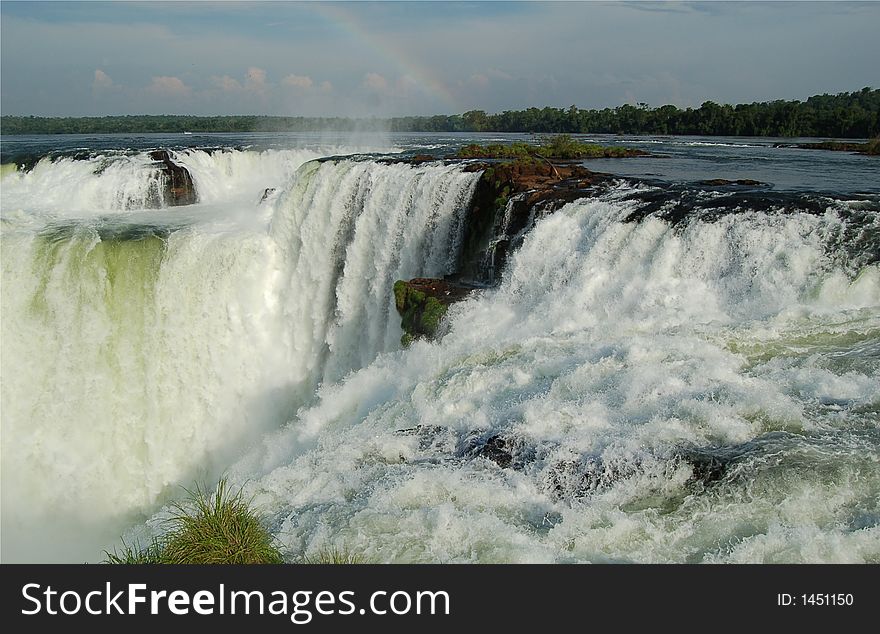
(178, 188)
(723, 182)
(582, 477)
(509, 197)
(871, 148)
(422, 304)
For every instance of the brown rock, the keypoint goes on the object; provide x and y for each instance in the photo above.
(721, 182)
(179, 188)
(444, 291)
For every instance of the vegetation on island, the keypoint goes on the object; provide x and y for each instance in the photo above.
(844, 115)
(561, 147)
(871, 148)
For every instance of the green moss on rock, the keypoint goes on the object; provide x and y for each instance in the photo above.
(422, 304)
(400, 292)
(432, 313)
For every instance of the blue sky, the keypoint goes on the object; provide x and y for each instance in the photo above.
(400, 58)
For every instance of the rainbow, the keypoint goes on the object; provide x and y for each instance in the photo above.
(338, 17)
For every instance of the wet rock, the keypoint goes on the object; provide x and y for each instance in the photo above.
(534, 186)
(422, 304)
(266, 193)
(706, 467)
(579, 478)
(588, 474)
(508, 451)
(723, 182)
(496, 450)
(592, 474)
(178, 184)
(871, 148)
(432, 438)
(507, 200)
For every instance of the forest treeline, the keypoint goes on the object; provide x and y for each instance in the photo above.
(845, 115)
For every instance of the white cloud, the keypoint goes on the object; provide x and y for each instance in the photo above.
(298, 81)
(255, 79)
(102, 80)
(226, 83)
(170, 86)
(697, 55)
(375, 81)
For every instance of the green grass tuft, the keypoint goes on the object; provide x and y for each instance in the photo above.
(221, 530)
(217, 528)
(135, 554)
(335, 556)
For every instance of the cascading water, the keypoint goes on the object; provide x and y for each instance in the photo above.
(646, 383)
(633, 391)
(115, 183)
(143, 349)
(349, 230)
(70, 187)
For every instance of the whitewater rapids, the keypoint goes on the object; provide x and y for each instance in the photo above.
(609, 346)
(143, 350)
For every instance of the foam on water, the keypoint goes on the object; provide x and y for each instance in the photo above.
(144, 349)
(120, 182)
(137, 358)
(610, 350)
(70, 187)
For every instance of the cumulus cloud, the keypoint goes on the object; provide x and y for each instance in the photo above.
(298, 81)
(102, 80)
(226, 83)
(169, 86)
(375, 81)
(255, 79)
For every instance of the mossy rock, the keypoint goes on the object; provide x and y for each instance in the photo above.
(422, 304)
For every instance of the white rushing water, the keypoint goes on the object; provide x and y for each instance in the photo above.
(117, 183)
(610, 350)
(66, 186)
(139, 356)
(145, 350)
